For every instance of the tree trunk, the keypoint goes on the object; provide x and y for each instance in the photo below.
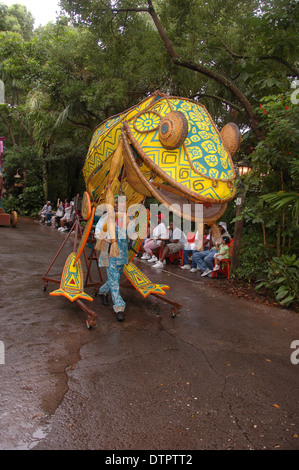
(264, 234)
(278, 250)
(173, 54)
(9, 126)
(237, 233)
(283, 231)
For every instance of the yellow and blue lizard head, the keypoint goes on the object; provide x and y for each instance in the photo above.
(171, 150)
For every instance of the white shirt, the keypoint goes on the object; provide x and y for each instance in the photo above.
(160, 231)
(68, 212)
(180, 236)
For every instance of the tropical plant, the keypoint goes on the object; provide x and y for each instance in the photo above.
(271, 186)
(283, 280)
(253, 257)
(284, 199)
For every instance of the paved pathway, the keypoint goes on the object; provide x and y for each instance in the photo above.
(218, 376)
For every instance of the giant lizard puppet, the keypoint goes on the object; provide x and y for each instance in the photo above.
(168, 148)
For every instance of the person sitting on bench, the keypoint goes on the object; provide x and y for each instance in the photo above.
(177, 243)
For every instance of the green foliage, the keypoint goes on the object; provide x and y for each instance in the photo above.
(28, 203)
(283, 199)
(28, 198)
(279, 150)
(271, 186)
(27, 160)
(283, 280)
(17, 19)
(254, 257)
(64, 163)
(10, 203)
(31, 200)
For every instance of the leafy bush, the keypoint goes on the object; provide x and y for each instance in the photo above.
(31, 200)
(10, 203)
(28, 203)
(253, 257)
(283, 279)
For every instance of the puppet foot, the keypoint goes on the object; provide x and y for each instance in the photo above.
(120, 316)
(105, 299)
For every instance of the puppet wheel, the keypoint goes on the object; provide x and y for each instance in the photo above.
(90, 323)
(13, 218)
(86, 206)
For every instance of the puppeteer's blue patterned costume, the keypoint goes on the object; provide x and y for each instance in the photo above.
(114, 266)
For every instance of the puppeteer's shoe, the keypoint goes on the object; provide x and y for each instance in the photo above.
(120, 316)
(104, 299)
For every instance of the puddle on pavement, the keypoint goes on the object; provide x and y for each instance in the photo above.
(40, 434)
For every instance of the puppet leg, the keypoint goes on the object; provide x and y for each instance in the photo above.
(104, 291)
(114, 272)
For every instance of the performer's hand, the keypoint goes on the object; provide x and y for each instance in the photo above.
(133, 236)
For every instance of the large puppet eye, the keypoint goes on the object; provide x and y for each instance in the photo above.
(146, 122)
(173, 130)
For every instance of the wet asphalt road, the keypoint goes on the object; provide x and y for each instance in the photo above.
(218, 376)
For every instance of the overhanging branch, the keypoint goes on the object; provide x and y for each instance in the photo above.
(219, 98)
(197, 67)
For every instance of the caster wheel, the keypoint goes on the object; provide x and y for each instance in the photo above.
(90, 324)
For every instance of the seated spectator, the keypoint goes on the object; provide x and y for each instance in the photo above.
(152, 244)
(178, 243)
(66, 220)
(204, 260)
(192, 248)
(224, 232)
(73, 213)
(223, 253)
(148, 235)
(59, 213)
(45, 210)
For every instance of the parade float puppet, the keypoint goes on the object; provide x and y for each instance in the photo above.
(168, 148)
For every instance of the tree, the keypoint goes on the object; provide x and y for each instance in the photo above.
(66, 78)
(31, 110)
(195, 40)
(17, 19)
(275, 171)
